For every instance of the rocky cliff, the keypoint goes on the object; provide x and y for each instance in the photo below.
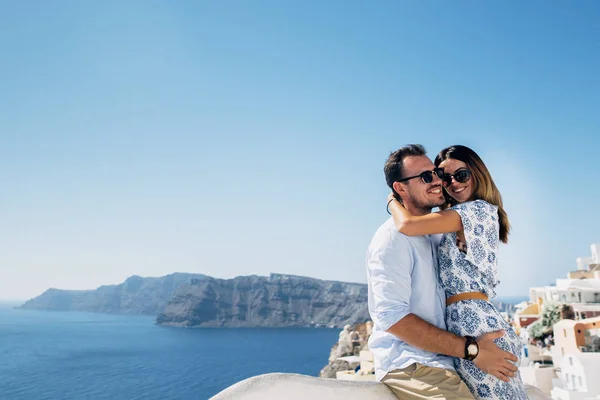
(258, 301)
(136, 295)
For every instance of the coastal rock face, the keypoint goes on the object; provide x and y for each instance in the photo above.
(258, 301)
(136, 295)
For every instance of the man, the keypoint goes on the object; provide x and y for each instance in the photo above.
(411, 347)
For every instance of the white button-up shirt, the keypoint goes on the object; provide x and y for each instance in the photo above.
(403, 279)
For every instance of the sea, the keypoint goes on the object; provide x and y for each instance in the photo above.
(71, 355)
(50, 355)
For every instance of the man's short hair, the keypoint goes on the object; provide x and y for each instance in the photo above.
(394, 166)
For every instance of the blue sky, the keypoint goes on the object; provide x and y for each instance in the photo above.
(236, 138)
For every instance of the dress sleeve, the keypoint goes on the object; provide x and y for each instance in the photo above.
(481, 227)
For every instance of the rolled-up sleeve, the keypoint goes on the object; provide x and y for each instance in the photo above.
(389, 268)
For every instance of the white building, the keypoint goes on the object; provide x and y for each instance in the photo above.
(576, 350)
(581, 290)
(577, 288)
(576, 357)
(579, 377)
(366, 371)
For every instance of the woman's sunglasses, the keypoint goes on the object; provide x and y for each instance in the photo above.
(460, 176)
(427, 176)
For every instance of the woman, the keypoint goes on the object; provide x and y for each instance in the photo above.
(473, 222)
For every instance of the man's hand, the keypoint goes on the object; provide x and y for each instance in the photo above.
(492, 360)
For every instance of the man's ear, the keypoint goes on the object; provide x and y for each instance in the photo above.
(399, 189)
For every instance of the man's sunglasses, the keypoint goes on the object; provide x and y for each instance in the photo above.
(460, 176)
(427, 176)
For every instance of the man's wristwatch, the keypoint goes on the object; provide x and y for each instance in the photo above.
(471, 348)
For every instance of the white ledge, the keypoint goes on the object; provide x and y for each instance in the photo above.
(279, 386)
(302, 387)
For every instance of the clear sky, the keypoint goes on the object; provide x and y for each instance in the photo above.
(235, 138)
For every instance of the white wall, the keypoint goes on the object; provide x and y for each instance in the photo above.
(562, 394)
(573, 373)
(595, 253)
(538, 376)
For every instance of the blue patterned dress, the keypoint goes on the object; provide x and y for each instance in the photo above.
(476, 271)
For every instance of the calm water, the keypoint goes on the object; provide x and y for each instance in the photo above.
(55, 355)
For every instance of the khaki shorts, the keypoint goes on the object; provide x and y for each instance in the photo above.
(419, 382)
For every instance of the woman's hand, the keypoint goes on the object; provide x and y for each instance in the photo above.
(391, 197)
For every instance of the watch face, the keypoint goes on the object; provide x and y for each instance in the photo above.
(472, 349)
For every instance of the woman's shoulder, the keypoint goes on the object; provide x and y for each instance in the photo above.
(477, 210)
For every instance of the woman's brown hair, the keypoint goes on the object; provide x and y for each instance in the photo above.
(485, 188)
